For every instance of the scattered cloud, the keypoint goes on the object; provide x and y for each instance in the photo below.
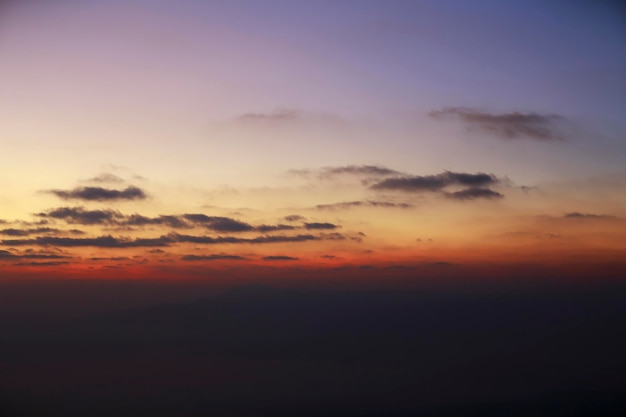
(4, 254)
(279, 258)
(50, 263)
(352, 204)
(333, 236)
(435, 182)
(273, 228)
(174, 222)
(474, 193)
(35, 231)
(213, 257)
(106, 178)
(357, 170)
(101, 242)
(328, 173)
(101, 194)
(588, 216)
(542, 127)
(320, 226)
(294, 218)
(78, 215)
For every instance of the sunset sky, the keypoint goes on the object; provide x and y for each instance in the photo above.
(215, 139)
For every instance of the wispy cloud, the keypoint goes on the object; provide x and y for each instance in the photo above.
(369, 203)
(278, 115)
(359, 171)
(294, 218)
(587, 216)
(107, 178)
(213, 257)
(542, 127)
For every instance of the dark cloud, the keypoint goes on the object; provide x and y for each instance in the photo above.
(279, 258)
(435, 182)
(38, 230)
(51, 263)
(332, 236)
(27, 232)
(219, 224)
(279, 115)
(352, 204)
(226, 224)
(230, 240)
(283, 239)
(320, 226)
(542, 127)
(213, 257)
(101, 194)
(101, 242)
(273, 228)
(4, 254)
(294, 218)
(171, 221)
(577, 215)
(474, 193)
(78, 215)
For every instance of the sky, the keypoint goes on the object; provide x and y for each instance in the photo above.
(190, 138)
(356, 208)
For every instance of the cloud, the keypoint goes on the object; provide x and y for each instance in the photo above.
(332, 236)
(107, 241)
(106, 177)
(4, 254)
(101, 194)
(171, 221)
(328, 173)
(219, 224)
(51, 263)
(279, 258)
(370, 203)
(542, 127)
(213, 257)
(273, 228)
(358, 170)
(474, 193)
(320, 226)
(27, 232)
(234, 240)
(78, 215)
(435, 182)
(278, 115)
(589, 216)
(294, 218)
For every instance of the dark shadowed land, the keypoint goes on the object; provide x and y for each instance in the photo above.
(514, 349)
